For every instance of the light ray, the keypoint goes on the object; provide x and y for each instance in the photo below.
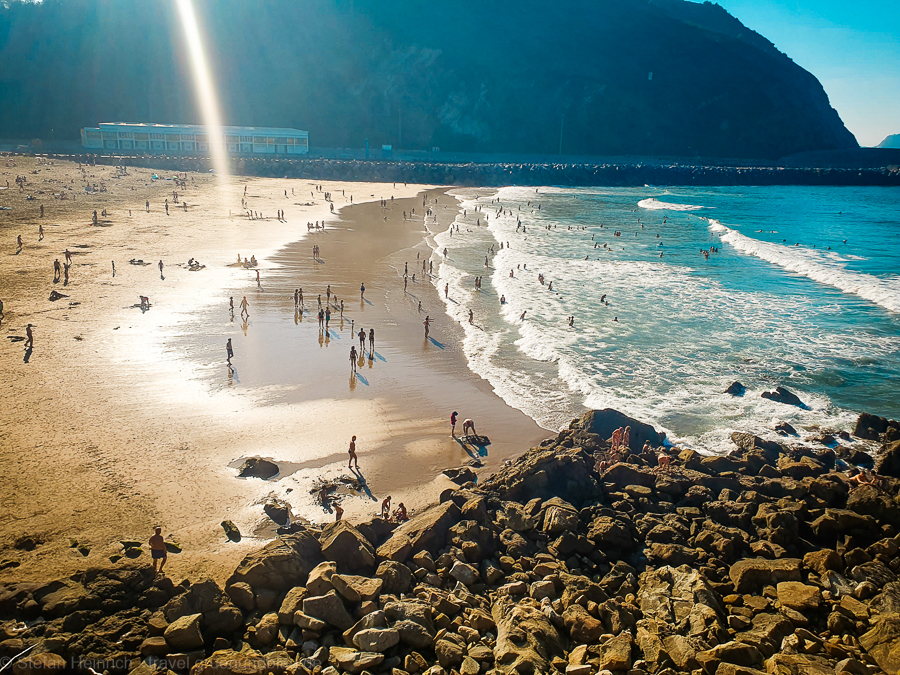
(206, 95)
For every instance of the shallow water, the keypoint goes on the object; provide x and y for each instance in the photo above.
(679, 327)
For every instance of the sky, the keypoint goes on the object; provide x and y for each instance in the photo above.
(852, 47)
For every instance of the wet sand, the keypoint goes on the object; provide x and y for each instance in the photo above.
(122, 419)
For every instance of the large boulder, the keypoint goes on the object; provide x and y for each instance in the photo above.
(228, 662)
(882, 642)
(782, 395)
(751, 574)
(184, 633)
(888, 462)
(281, 564)
(328, 608)
(396, 577)
(353, 661)
(425, 532)
(346, 546)
(605, 422)
(204, 597)
(526, 639)
(871, 427)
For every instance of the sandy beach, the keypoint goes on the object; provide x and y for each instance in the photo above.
(121, 419)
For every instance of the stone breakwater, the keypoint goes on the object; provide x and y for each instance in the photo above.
(765, 560)
(478, 174)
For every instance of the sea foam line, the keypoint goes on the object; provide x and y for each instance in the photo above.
(883, 292)
(653, 204)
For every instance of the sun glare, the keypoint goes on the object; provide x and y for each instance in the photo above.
(206, 96)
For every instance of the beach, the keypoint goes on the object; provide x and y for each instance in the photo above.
(122, 419)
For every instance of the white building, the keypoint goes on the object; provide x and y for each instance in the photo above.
(191, 138)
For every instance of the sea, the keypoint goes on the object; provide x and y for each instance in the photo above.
(675, 293)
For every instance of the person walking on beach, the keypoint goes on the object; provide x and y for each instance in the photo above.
(447, 290)
(321, 319)
(160, 269)
(362, 339)
(352, 453)
(427, 323)
(230, 301)
(371, 341)
(327, 316)
(328, 294)
(453, 424)
(362, 291)
(40, 232)
(57, 269)
(244, 305)
(471, 316)
(29, 337)
(68, 257)
(229, 351)
(148, 206)
(158, 551)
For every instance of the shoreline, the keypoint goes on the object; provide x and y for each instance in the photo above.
(125, 430)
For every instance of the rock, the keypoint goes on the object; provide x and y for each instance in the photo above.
(753, 573)
(463, 573)
(184, 632)
(278, 510)
(799, 596)
(850, 666)
(581, 625)
(329, 609)
(870, 427)
(242, 595)
(736, 653)
(281, 564)
(542, 589)
(611, 534)
(449, 654)
(736, 389)
(461, 475)
(605, 422)
(882, 642)
(376, 639)
(267, 629)
(526, 639)
(615, 654)
(888, 462)
(308, 622)
(782, 395)
(356, 588)
(292, 603)
(426, 531)
(559, 519)
(343, 544)
(822, 561)
(785, 429)
(154, 646)
(623, 475)
(396, 577)
(228, 662)
(469, 667)
(749, 442)
(231, 530)
(353, 661)
(255, 467)
(39, 664)
(836, 522)
(220, 617)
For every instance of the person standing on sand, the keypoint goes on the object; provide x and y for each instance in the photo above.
(352, 453)
(19, 243)
(158, 551)
(29, 337)
(57, 269)
(386, 508)
(362, 291)
(229, 351)
(362, 339)
(371, 341)
(447, 290)
(427, 323)
(244, 305)
(160, 268)
(148, 206)
(353, 358)
(230, 301)
(40, 232)
(453, 424)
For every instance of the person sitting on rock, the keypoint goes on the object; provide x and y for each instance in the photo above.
(400, 514)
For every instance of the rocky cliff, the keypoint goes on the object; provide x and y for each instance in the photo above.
(573, 559)
(593, 77)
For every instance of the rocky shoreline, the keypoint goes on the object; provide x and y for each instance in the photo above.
(491, 174)
(766, 560)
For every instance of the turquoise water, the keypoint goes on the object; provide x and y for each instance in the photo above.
(774, 306)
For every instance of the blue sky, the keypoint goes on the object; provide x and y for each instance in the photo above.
(852, 47)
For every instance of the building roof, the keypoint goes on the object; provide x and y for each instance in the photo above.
(203, 127)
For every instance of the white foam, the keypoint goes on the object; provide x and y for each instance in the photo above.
(811, 264)
(653, 204)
